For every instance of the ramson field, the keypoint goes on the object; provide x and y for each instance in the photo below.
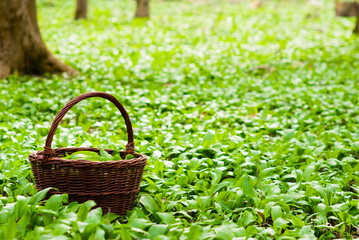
(249, 117)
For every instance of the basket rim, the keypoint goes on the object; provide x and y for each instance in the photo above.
(91, 194)
(39, 156)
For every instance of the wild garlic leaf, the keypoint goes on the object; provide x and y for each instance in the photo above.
(129, 156)
(247, 110)
(105, 155)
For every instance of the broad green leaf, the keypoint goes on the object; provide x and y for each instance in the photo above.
(297, 222)
(247, 218)
(99, 234)
(194, 232)
(105, 155)
(39, 196)
(157, 230)
(280, 222)
(166, 218)
(9, 229)
(94, 216)
(84, 155)
(129, 156)
(247, 186)
(308, 171)
(60, 229)
(276, 212)
(54, 202)
(307, 233)
(125, 232)
(149, 203)
(84, 209)
(208, 138)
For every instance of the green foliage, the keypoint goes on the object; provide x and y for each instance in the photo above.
(249, 117)
(93, 156)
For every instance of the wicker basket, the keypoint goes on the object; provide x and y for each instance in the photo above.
(113, 185)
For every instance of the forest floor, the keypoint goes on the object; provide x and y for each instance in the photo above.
(249, 117)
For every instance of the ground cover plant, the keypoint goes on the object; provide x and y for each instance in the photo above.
(249, 118)
(93, 156)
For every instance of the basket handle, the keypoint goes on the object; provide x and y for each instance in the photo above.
(130, 147)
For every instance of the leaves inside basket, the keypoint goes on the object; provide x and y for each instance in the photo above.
(93, 156)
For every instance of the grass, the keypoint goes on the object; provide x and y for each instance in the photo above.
(249, 117)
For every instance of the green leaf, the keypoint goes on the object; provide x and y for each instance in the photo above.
(129, 156)
(84, 209)
(216, 188)
(276, 212)
(149, 203)
(307, 233)
(39, 196)
(280, 222)
(125, 232)
(105, 155)
(157, 230)
(94, 216)
(208, 138)
(297, 222)
(224, 232)
(60, 229)
(84, 155)
(54, 202)
(99, 234)
(9, 229)
(247, 218)
(308, 171)
(166, 218)
(247, 186)
(194, 232)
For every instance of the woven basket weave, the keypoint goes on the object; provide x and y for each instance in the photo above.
(113, 185)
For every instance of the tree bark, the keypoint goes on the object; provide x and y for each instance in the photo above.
(143, 8)
(21, 47)
(81, 9)
(346, 9)
(356, 29)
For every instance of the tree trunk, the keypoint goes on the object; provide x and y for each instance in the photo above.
(346, 9)
(81, 9)
(21, 47)
(356, 29)
(143, 8)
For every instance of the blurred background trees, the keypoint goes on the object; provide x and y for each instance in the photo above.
(81, 9)
(22, 49)
(143, 8)
(348, 9)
